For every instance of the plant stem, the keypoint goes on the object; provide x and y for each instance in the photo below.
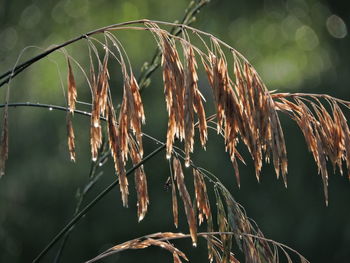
(76, 218)
(10, 74)
(110, 251)
(144, 77)
(47, 106)
(92, 180)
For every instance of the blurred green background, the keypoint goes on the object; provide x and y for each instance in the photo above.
(296, 45)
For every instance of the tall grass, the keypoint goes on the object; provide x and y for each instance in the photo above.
(245, 112)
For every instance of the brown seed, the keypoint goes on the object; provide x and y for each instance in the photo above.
(202, 199)
(174, 79)
(174, 203)
(186, 199)
(114, 144)
(71, 137)
(140, 181)
(72, 89)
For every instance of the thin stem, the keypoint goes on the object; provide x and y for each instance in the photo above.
(10, 74)
(93, 203)
(92, 180)
(47, 106)
(79, 215)
(16, 70)
(310, 95)
(201, 234)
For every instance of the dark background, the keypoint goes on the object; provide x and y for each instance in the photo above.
(289, 44)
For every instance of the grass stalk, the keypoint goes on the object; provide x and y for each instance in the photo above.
(83, 212)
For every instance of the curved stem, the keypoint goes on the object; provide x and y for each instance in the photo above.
(16, 70)
(10, 74)
(92, 180)
(310, 95)
(176, 236)
(93, 203)
(79, 215)
(47, 106)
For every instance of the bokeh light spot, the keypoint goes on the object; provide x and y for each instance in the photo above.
(306, 38)
(30, 17)
(8, 38)
(336, 26)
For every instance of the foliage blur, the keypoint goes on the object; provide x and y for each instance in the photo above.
(296, 45)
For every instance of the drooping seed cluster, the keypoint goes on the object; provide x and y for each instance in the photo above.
(72, 98)
(245, 111)
(99, 102)
(162, 240)
(326, 133)
(121, 142)
(186, 199)
(183, 98)
(244, 107)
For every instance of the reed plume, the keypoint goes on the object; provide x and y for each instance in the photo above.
(245, 111)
